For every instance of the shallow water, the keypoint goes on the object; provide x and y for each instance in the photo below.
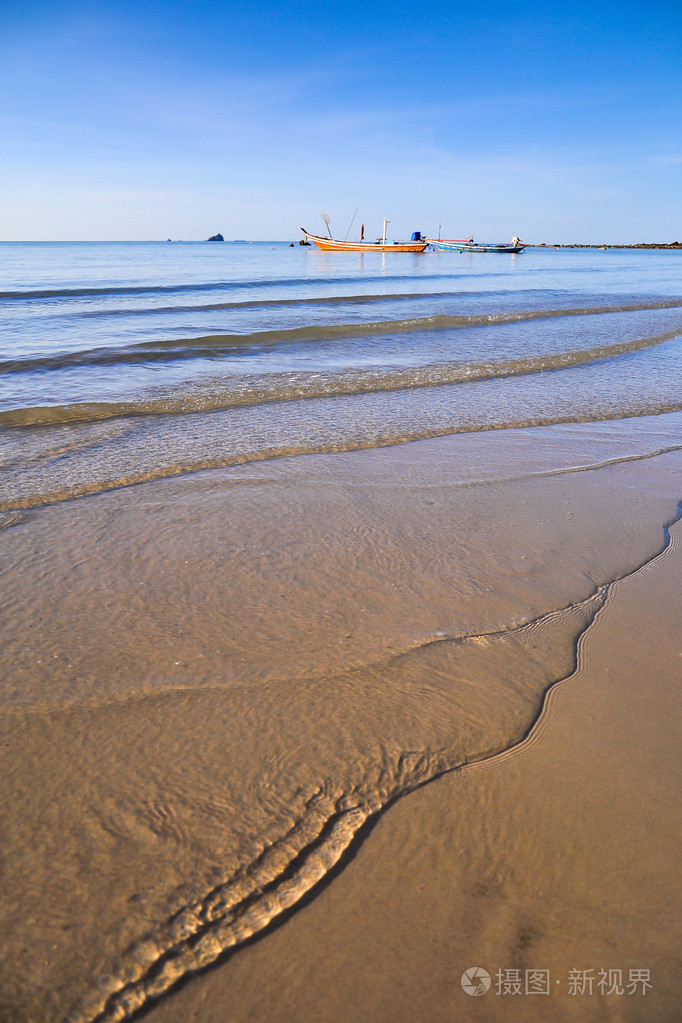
(136, 361)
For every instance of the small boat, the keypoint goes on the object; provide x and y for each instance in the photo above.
(469, 245)
(417, 244)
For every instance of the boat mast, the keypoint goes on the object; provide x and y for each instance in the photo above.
(383, 240)
(351, 223)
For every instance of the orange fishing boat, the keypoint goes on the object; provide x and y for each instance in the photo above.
(417, 244)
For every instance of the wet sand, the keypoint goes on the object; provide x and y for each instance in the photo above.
(213, 686)
(561, 855)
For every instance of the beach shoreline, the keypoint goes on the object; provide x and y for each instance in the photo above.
(261, 675)
(555, 863)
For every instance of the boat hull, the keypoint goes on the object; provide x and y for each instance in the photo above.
(331, 245)
(454, 246)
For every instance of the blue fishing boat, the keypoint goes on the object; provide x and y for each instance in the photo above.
(469, 245)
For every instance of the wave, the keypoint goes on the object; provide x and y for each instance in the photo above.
(261, 303)
(46, 490)
(305, 301)
(256, 284)
(232, 285)
(246, 390)
(214, 345)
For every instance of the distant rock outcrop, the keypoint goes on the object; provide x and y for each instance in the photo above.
(216, 238)
(585, 245)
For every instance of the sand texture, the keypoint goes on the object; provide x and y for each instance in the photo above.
(219, 693)
(561, 855)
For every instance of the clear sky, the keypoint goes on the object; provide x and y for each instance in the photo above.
(148, 119)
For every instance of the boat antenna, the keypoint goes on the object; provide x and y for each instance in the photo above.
(351, 223)
(439, 227)
(325, 217)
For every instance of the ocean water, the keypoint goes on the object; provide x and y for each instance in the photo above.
(211, 682)
(122, 362)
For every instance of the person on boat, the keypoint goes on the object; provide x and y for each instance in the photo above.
(516, 241)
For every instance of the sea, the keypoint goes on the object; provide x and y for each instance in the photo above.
(128, 361)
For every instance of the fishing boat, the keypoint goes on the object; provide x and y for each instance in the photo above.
(416, 244)
(469, 245)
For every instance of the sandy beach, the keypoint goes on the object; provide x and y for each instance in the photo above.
(557, 863)
(220, 693)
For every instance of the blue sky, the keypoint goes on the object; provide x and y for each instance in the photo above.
(148, 120)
